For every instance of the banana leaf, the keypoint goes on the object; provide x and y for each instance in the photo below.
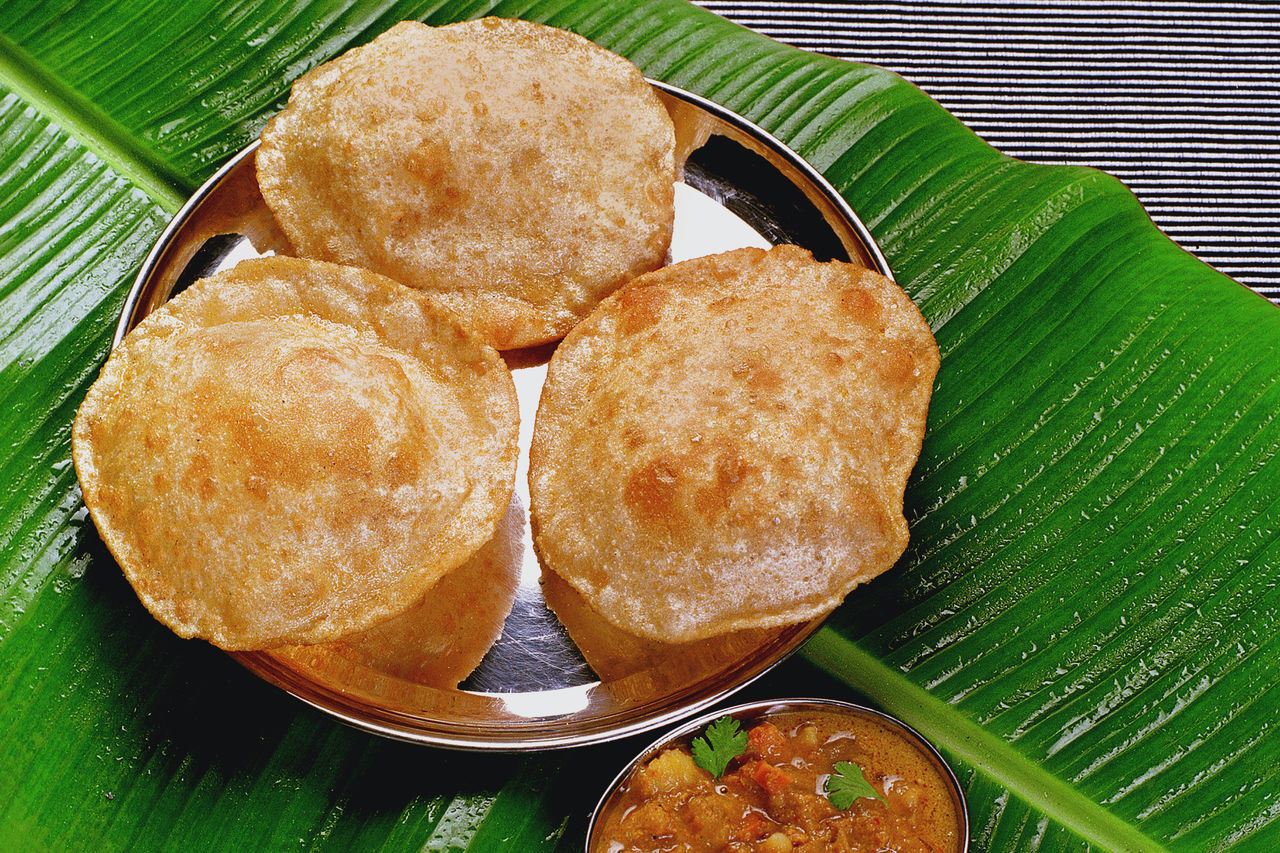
(1085, 618)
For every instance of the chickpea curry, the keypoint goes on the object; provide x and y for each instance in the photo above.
(792, 783)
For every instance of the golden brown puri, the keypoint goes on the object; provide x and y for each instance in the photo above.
(518, 170)
(443, 637)
(725, 442)
(290, 451)
(652, 666)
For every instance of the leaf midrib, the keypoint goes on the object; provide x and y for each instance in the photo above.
(955, 733)
(97, 131)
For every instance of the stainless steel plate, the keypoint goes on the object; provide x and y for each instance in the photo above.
(535, 689)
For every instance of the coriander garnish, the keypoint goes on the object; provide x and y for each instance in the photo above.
(848, 784)
(724, 742)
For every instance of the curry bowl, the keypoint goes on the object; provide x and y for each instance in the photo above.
(785, 775)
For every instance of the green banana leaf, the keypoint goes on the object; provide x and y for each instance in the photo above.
(1084, 621)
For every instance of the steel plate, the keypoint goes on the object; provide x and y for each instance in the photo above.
(535, 689)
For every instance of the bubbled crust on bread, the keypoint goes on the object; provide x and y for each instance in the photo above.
(517, 169)
(290, 451)
(443, 637)
(725, 443)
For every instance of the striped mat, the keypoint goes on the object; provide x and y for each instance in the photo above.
(1179, 100)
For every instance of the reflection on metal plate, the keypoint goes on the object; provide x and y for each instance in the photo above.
(535, 689)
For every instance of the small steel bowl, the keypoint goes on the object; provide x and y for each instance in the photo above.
(755, 712)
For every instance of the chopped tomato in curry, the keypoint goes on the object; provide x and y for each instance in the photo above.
(772, 798)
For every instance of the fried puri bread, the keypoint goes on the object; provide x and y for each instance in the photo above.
(443, 637)
(651, 666)
(517, 169)
(724, 443)
(290, 451)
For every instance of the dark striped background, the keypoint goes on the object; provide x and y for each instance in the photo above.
(1179, 100)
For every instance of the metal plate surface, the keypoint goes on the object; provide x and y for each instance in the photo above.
(535, 688)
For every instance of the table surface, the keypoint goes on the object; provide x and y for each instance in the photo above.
(1181, 101)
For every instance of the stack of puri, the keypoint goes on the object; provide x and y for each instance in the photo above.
(722, 447)
(307, 456)
(317, 454)
(296, 452)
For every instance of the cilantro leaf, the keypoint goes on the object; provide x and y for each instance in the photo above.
(848, 784)
(724, 742)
